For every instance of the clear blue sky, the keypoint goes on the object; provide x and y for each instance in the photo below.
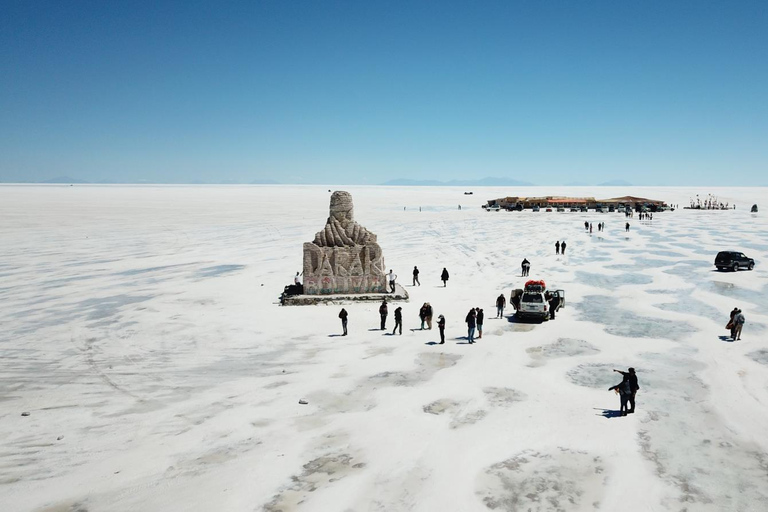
(656, 93)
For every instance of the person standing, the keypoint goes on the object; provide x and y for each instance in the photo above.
(586, 226)
(554, 303)
(479, 317)
(444, 276)
(297, 280)
(590, 228)
(557, 247)
(392, 277)
(633, 387)
(428, 316)
(383, 311)
(416, 276)
(441, 327)
(625, 392)
(471, 322)
(626, 227)
(501, 301)
(423, 314)
(526, 267)
(738, 323)
(562, 247)
(343, 316)
(731, 324)
(398, 320)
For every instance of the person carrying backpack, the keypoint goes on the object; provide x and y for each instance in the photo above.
(738, 323)
(398, 320)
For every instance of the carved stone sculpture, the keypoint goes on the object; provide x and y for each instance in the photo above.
(344, 257)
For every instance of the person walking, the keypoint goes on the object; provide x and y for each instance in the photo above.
(398, 320)
(730, 325)
(626, 227)
(557, 247)
(416, 276)
(738, 323)
(428, 316)
(633, 387)
(624, 390)
(471, 322)
(392, 277)
(423, 314)
(441, 328)
(479, 317)
(562, 247)
(343, 316)
(590, 228)
(501, 301)
(383, 312)
(444, 276)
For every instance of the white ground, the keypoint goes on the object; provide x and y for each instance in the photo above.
(141, 331)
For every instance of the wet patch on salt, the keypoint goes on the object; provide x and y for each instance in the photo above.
(317, 473)
(610, 282)
(428, 364)
(456, 410)
(218, 270)
(759, 356)
(539, 482)
(563, 347)
(620, 322)
(503, 397)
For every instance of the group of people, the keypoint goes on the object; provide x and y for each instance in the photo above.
(425, 314)
(736, 323)
(526, 265)
(560, 247)
(646, 216)
(627, 389)
(392, 278)
(474, 321)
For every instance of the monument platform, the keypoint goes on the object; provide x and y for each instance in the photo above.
(400, 295)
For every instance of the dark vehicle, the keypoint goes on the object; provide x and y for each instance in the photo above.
(583, 209)
(611, 208)
(733, 260)
(535, 209)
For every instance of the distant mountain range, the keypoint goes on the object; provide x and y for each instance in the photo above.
(615, 183)
(484, 182)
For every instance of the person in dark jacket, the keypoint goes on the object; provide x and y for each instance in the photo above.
(423, 315)
(343, 316)
(444, 276)
(398, 320)
(626, 227)
(562, 247)
(471, 323)
(428, 315)
(479, 317)
(526, 266)
(633, 386)
(501, 301)
(557, 247)
(383, 311)
(554, 302)
(416, 276)
(625, 393)
(441, 327)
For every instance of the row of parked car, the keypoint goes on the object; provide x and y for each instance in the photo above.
(597, 209)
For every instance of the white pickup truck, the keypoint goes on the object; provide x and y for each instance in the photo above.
(534, 300)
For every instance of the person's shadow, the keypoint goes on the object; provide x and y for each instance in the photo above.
(334, 335)
(608, 413)
(726, 338)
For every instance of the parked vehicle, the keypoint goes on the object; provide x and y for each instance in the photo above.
(611, 209)
(560, 209)
(733, 260)
(535, 209)
(583, 209)
(574, 209)
(494, 208)
(549, 209)
(531, 302)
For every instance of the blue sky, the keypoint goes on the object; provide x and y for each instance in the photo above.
(656, 93)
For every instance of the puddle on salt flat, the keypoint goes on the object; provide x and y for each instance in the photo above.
(610, 282)
(620, 322)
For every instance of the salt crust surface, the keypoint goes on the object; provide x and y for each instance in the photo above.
(141, 331)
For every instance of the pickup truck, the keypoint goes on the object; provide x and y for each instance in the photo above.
(533, 300)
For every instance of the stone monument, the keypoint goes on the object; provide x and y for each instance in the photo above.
(344, 257)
